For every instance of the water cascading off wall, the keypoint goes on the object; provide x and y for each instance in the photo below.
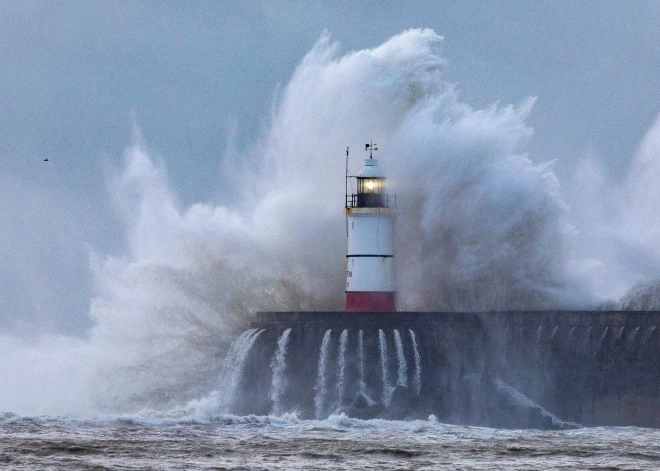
(318, 373)
(417, 380)
(321, 381)
(234, 364)
(278, 365)
(362, 388)
(341, 367)
(384, 367)
(495, 369)
(402, 372)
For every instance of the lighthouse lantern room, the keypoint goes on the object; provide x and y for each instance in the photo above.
(370, 255)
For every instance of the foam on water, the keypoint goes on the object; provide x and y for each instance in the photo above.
(337, 443)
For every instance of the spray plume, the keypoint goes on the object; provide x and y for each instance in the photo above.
(480, 227)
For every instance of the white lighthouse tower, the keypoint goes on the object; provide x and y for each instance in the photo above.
(370, 256)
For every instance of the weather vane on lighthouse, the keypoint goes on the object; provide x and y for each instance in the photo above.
(370, 256)
(371, 147)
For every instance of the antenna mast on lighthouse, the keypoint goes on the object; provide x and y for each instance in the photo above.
(370, 257)
(346, 200)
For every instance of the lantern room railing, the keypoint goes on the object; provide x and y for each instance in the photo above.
(370, 200)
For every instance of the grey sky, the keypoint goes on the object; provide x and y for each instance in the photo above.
(202, 76)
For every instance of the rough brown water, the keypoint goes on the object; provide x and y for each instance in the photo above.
(338, 443)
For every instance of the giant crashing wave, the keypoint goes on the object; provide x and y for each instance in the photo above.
(481, 227)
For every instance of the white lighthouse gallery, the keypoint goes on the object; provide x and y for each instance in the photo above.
(370, 255)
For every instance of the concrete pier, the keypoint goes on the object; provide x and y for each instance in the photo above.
(588, 367)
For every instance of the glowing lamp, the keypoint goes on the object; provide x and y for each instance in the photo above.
(370, 185)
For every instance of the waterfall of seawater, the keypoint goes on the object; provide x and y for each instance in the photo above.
(539, 345)
(554, 333)
(634, 335)
(417, 379)
(362, 385)
(341, 366)
(516, 398)
(321, 379)
(402, 371)
(619, 336)
(385, 367)
(602, 337)
(234, 363)
(277, 365)
(648, 334)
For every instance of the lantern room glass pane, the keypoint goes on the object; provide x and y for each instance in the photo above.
(370, 185)
(370, 192)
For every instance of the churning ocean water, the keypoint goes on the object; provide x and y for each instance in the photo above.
(150, 442)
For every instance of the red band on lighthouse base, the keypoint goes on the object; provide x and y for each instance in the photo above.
(370, 301)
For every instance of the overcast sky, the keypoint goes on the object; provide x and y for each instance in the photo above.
(201, 78)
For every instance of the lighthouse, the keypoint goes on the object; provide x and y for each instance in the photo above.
(370, 254)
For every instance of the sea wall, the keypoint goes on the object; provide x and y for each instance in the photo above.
(504, 369)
